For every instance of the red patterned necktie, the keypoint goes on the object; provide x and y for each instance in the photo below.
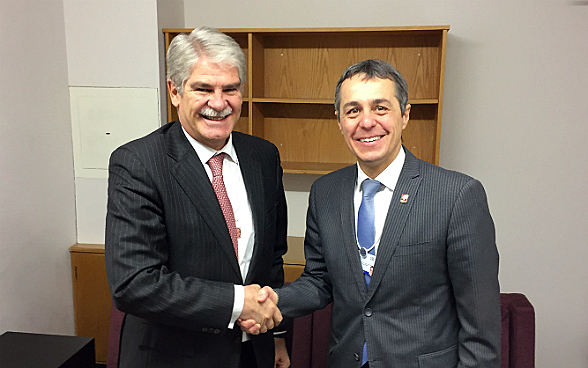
(216, 166)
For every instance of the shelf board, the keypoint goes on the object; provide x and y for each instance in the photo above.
(319, 168)
(294, 101)
(354, 30)
(430, 101)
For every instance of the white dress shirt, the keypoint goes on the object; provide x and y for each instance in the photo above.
(389, 178)
(237, 193)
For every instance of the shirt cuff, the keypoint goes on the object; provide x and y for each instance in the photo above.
(238, 302)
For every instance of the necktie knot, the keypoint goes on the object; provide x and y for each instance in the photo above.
(216, 164)
(370, 187)
(366, 215)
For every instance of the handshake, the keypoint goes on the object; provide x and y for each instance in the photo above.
(260, 311)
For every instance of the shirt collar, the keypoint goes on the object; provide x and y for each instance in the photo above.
(205, 153)
(388, 177)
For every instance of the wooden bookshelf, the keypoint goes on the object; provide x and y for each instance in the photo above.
(292, 74)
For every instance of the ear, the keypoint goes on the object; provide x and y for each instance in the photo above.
(174, 95)
(406, 116)
(338, 121)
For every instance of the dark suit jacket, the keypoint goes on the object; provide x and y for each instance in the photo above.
(169, 258)
(434, 298)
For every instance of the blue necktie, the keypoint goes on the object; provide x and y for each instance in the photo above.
(366, 229)
(366, 217)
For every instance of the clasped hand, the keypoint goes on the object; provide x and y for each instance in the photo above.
(260, 311)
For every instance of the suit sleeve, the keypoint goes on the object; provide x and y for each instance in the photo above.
(280, 244)
(137, 254)
(312, 290)
(473, 269)
(280, 241)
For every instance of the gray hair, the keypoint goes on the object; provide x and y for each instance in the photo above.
(373, 68)
(186, 49)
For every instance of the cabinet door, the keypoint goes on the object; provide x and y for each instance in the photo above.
(91, 298)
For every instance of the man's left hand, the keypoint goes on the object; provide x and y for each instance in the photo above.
(282, 359)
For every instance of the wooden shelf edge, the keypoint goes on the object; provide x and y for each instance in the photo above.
(87, 248)
(292, 101)
(319, 168)
(320, 30)
(312, 172)
(428, 101)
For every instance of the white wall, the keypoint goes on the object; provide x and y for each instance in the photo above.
(515, 116)
(37, 212)
(109, 44)
(170, 14)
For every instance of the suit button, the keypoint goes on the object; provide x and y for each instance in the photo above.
(204, 329)
(356, 356)
(216, 331)
(368, 312)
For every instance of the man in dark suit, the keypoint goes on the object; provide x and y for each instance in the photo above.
(195, 212)
(408, 258)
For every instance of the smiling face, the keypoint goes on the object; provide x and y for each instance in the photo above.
(210, 103)
(371, 121)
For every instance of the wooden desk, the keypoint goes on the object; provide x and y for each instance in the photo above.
(20, 350)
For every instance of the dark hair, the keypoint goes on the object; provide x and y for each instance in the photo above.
(373, 68)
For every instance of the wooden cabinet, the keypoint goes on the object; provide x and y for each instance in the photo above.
(91, 295)
(92, 300)
(292, 74)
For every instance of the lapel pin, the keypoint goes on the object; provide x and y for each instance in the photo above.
(404, 198)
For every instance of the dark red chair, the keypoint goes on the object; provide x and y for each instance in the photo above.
(520, 331)
(116, 320)
(310, 335)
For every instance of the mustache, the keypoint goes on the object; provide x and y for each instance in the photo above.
(209, 111)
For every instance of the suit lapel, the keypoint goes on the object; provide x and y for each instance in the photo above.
(408, 185)
(191, 176)
(348, 229)
(251, 170)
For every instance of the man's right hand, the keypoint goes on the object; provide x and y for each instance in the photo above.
(259, 314)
